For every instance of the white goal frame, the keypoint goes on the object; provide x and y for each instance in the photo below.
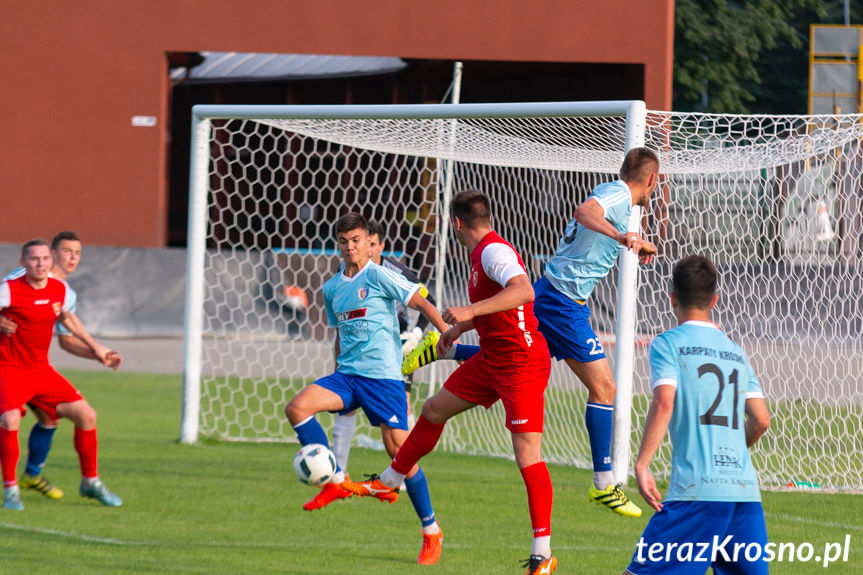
(202, 117)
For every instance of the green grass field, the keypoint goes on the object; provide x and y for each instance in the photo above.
(235, 508)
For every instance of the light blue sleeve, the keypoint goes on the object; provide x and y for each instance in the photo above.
(663, 363)
(753, 386)
(59, 328)
(393, 285)
(328, 306)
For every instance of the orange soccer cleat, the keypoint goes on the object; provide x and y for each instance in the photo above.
(372, 487)
(431, 548)
(539, 565)
(329, 492)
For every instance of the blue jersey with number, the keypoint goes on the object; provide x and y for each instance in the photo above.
(583, 256)
(363, 308)
(59, 328)
(710, 460)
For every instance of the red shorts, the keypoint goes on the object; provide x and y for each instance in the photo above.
(40, 386)
(519, 381)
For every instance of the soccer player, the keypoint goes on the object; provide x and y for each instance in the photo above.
(585, 255)
(35, 302)
(360, 301)
(513, 365)
(66, 255)
(345, 424)
(706, 395)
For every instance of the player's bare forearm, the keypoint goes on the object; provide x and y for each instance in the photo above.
(655, 428)
(517, 292)
(73, 324)
(74, 346)
(418, 302)
(656, 425)
(757, 420)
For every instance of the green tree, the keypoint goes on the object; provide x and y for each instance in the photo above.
(784, 70)
(719, 44)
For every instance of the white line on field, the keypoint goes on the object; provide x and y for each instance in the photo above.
(69, 534)
(798, 519)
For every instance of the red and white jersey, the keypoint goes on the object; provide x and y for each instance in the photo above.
(493, 263)
(35, 312)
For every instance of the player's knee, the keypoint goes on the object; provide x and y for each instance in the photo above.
(431, 414)
(603, 390)
(85, 418)
(295, 411)
(11, 419)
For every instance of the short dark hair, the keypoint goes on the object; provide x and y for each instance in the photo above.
(375, 229)
(351, 221)
(32, 243)
(637, 164)
(64, 236)
(693, 281)
(472, 208)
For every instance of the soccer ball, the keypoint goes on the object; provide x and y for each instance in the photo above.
(315, 464)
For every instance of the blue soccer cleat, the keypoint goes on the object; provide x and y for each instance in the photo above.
(97, 490)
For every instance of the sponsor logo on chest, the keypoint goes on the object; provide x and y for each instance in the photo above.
(474, 276)
(352, 314)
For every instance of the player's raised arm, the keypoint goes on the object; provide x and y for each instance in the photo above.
(655, 427)
(516, 292)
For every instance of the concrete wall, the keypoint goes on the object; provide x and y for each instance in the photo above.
(75, 73)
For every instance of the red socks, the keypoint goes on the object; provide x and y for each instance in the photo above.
(539, 497)
(87, 446)
(9, 454)
(422, 439)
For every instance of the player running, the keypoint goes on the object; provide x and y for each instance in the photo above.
(513, 365)
(706, 395)
(35, 302)
(345, 424)
(585, 255)
(360, 302)
(66, 255)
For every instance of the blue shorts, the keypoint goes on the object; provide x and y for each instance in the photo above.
(565, 324)
(382, 400)
(690, 536)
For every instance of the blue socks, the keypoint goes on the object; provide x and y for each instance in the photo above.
(310, 431)
(38, 447)
(463, 352)
(418, 491)
(599, 419)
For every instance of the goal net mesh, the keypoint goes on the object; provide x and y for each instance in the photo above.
(774, 201)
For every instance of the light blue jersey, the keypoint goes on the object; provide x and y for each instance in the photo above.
(710, 460)
(72, 297)
(583, 256)
(363, 308)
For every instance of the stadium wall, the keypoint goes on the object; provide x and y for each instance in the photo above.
(75, 74)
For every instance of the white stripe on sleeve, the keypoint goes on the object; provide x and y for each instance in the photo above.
(663, 381)
(5, 295)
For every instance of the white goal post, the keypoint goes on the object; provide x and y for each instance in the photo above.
(774, 201)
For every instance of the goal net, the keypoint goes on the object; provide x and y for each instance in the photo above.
(774, 201)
